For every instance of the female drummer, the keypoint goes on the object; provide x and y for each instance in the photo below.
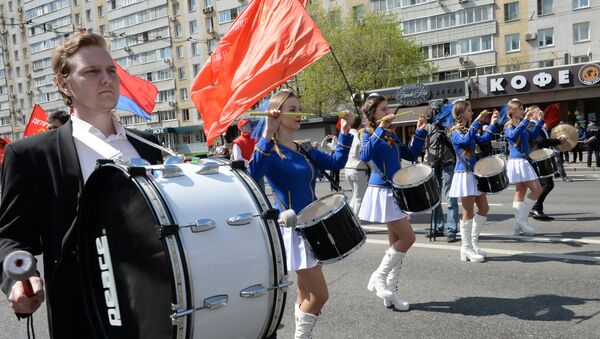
(292, 177)
(519, 170)
(464, 186)
(383, 149)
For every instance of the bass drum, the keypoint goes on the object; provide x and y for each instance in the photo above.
(179, 251)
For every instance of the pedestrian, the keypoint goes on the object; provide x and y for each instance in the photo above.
(578, 149)
(57, 119)
(593, 143)
(440, 156)
(291, 175)
(356, 170)
(464, 138)
(519, 170)
(243, 145)
(44, 175)
(384, 149)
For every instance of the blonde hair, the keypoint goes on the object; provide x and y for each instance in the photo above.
(276, 102)
(62, 55)
(513, 106)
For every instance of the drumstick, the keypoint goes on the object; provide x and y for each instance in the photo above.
(341, 114)
(20, 265)
(395, 116)
(291, 114)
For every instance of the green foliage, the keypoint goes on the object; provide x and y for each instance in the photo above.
(372, 52)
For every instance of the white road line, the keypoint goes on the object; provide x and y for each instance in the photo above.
(584, 241)
(499, 251)
(491, 204)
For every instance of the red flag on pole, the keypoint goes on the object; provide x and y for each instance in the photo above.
(552, 115)
(37, 122)
(270, 42)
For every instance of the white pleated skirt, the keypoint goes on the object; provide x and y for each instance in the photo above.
(464, 184)
(520, 170)
(297, 252)
(379, 206)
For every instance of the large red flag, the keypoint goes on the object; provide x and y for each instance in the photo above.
(37, 122)
(270, 42)
(137, 95)
(552, 115)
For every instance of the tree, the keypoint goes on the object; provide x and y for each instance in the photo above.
(373, 54)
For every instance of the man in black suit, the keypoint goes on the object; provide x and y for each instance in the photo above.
(43, 178)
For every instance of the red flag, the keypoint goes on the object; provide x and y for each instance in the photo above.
(37, 122)
(552, 115)
(270, 42)
(338, 125)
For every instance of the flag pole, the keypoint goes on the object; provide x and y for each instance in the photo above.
(356, 108)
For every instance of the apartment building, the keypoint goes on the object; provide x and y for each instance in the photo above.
(166, 42)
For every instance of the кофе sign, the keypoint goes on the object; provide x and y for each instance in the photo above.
(412, 95)
(557, 78)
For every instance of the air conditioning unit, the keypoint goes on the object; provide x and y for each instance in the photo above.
(12, 96)
(126, 48)
(5, 48)
(28, 75)
(22, 26)
(167, 60)
(461, 60)
(211, 30)
(172, 19)
(173, 103)
(4, 32)
(208, 9)
(28, 91)
(530, 36)
(20, 9)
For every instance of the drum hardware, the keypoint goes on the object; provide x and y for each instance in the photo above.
(542, 161)
(208, 167)
(201, 225)
(173, 160)
(238, 165)
(287, 218)
(210, 303)
(167, 170)
(490, 174)
(259, 290)
(416, 189)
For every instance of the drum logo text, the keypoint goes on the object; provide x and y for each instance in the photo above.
(108, 281)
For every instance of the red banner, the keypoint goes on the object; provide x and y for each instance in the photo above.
(37, 122)
(552, 115)
(269, 42)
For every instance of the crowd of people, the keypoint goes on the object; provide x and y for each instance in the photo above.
(367, 148)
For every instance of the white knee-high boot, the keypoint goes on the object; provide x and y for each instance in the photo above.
(478, 222)
(524, 210)
(466, 250)
(395, 300)
(305, 322)
(378, 283)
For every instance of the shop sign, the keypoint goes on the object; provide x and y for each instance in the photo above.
(413, 94)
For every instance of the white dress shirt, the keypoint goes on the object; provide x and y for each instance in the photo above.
(88, 155)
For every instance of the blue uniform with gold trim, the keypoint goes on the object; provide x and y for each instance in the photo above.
(466, 141)
(521, 135)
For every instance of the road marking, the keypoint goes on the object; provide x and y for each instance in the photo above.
(499, 251)
(584, 241)
(490, 204)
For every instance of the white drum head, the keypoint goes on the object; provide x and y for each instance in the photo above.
(541, 154)
(489, 166)
(320, 209)
(412, 175)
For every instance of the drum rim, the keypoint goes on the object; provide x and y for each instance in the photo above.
(419, 183)
(494, 174)
(313, 222)
(424, 211)
(343, 256)
(547, 151)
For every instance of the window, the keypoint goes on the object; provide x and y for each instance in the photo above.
(176, 9)
(546, 37)
(17, 55)
(178, 30)
(75, 2)
(210, 27)
(229, 15)
(18, 72)
(25, 53)
(14, 39)
(165, 95)
(385, 5)
(544, 7)
(185, 114)
(580, 58)
(358, 13)
(581, 32)
(77, 19)
(193, 27)
(196, 68)
(181, 73)
(4, 121)
(167, 115)
(179, 51)
(511, 11)
(208, 3)
(195, 48)
(192, 5)
(88, 14)
(10, 6)
(212, 44)
(546, 63)
(101, 29)
(186, 137)
(183, 94)
(100, 11)
(577, 4)
(512, 42)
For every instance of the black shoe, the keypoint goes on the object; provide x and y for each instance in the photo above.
(451, 238)
(539, 215)
(567, 179)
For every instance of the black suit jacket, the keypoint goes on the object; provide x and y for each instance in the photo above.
(41, 184)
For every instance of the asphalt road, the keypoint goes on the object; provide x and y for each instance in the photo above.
(545, 286)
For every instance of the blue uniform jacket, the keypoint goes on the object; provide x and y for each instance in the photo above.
(466, 141)
(387, 157)
(522, 134)
(293, 178)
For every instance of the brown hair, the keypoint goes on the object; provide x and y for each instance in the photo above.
(276, 102)
(370, 108)
(62, 55)
(460, 125)
(513, 106)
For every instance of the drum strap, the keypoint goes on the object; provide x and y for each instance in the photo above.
(375, 169)
(335, 186)
(525, 156)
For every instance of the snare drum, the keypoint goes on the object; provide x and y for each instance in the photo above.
(330, 228)
(179, 251)
(416, 189)
(490, 173)
(543, 162)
